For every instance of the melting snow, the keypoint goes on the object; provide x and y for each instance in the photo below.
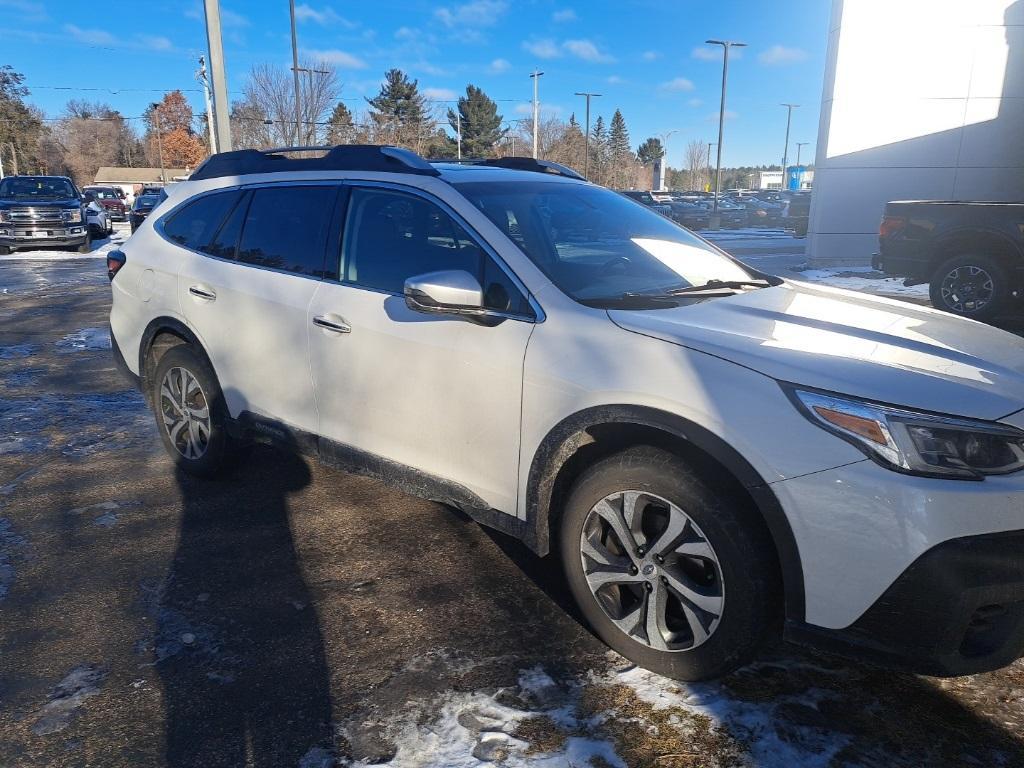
(86, 338)
(67, 698)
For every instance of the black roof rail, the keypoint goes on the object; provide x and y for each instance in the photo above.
(344, 157)
(520, 164)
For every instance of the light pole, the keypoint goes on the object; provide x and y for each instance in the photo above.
(201, 77)
(159, 140)
(710, 145)
(295, 73)
(586, 157)
(218, 76)
(536, 109)
(785, 152)
(800, 145)
(312, 123)
(716, 219)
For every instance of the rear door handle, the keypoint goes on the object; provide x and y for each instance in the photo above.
(336, 326)
(202, 293)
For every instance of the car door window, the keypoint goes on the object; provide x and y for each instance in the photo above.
(286, 228)
(390, 236)
(195, 224)
(225, 244)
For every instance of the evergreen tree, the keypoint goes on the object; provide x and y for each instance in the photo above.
(650, 151)
(620, 154)
(340, 127)
(481, 123)
(599, 152)
(399, 111)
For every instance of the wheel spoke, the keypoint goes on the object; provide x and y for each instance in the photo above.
(700, 634)
(167, 396)
(615, 519)
(600, 554)
(709, 603)
(677, 525)
(657, 629)
(602, 577)
(695, 549)
(632, 622)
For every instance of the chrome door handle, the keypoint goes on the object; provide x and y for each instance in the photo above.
(330, 325)
(202, 293)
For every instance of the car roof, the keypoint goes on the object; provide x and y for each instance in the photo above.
(455, 173)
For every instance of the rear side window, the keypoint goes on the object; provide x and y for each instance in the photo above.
(195, 225)
(286, 228)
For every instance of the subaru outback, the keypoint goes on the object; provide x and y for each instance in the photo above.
(716, 455)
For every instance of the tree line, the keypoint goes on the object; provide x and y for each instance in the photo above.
(88, 135)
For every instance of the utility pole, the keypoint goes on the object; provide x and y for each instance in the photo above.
(800, 145)
(710, 145)
(458, 124)
(586, 157)
(716, 219)
(220, 89)
(785, 152)
(201, 77)
(160, 139)
(295, 73)
(311, 136)
(536, 109)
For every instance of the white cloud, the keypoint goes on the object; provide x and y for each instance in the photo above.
(694, 102)
(542, 49)
(677, 84)
(567, 14)
(586, 50)
(498, 66)
(325, 16)
(651, 55)
(478, 13)
(729, 115)
(439, 94)
(429, 69)
(340, 59)
(156, 42)
(780, 54)
(90, 36)
(614, 80)
(707, 53)
(27, 9)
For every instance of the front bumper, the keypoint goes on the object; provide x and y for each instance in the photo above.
(19, 237)
(957, 610)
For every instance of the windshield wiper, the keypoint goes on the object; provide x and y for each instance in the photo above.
(719, 285)
(631, 300)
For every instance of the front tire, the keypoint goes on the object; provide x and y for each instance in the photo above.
(970, 285)
(86, 246)
(191, 414)
(674, 574)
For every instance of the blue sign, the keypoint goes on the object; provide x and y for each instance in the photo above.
(794, 175)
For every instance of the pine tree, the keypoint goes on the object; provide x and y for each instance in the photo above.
(620, 154)
(340, 128)
(650, 151)
(481, 123)
(599, 152)
(399, 111)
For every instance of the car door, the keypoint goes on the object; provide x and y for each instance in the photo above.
(246, 289)
(437, 393)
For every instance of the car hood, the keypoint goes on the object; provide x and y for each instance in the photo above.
(852, 343)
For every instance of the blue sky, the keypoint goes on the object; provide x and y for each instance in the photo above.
(647, 57)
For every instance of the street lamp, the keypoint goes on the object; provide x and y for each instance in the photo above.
(785, 152)
(295, 74)
(536, 108)
(716, 219)
(710, 145)
(312, 122)
(800, 145)
(159, 139)
(586, 157)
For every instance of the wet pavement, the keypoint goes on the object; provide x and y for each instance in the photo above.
(293, 615)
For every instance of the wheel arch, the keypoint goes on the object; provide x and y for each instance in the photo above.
(588, 435)
(981, 240)
(160, 335)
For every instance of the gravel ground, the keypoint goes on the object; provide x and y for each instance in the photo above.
(294, 615)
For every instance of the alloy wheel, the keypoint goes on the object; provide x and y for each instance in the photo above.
(967, 289)
(652, 571)
(185, 412)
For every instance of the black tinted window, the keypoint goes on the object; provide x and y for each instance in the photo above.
(225, 244)
(195, 225)
(286, 228)
(390, 237)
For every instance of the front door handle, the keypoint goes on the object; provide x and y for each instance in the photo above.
(202, 293)
(336, 326)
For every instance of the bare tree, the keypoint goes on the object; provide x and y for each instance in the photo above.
(269, 95)
(696, 169)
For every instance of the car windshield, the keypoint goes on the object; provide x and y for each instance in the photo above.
(104, 194)
(146, 202)
(597, 244)
(34, 188)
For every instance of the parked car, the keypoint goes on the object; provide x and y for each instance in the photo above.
(110, 198)
(716, 453)
(970, 254)
(97, 217)
(796, 212)
(731, 215)
(41, 211)
(759, 212)
(645, 197)
(141, 208)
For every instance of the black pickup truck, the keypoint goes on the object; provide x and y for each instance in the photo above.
(970, 254)
(40, 211)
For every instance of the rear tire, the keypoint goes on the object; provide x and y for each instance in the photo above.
(191, 414)
(695, 591)
(970, 285)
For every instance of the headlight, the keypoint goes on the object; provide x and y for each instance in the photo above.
(73, 217)
(917, 443)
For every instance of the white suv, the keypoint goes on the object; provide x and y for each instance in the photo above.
(717, 454)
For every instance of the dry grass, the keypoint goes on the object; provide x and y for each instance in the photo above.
(541, 733)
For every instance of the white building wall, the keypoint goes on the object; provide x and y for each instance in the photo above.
(922, 99)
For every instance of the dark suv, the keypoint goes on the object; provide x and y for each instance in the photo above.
(42, 211)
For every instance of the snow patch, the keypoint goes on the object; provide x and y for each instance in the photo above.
(86, 338)
(83, 682)
(865, 279)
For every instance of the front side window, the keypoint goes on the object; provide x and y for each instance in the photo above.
(195, 224)
(391, 236)
(596, 244)
(286, 228)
